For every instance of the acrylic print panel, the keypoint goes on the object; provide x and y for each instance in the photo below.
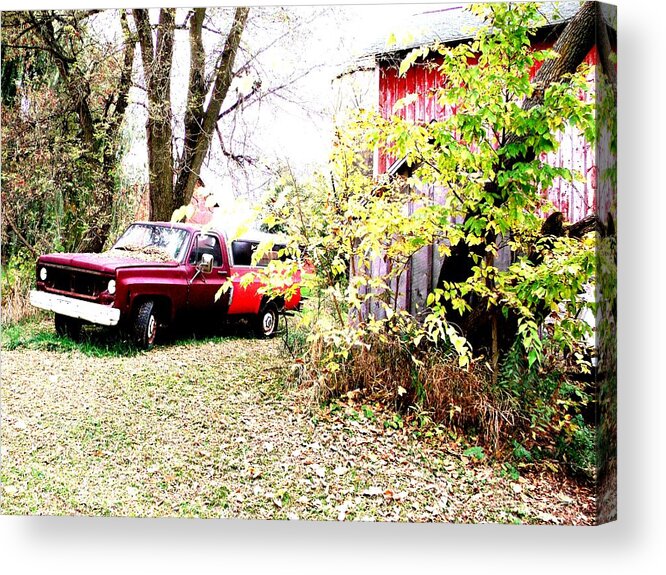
(366, 267)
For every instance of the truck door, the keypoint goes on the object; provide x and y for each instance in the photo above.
(203, 286)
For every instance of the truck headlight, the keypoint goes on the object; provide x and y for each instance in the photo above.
(111, 288)
(42, 274)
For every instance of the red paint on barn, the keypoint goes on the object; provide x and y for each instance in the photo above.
(574, 199)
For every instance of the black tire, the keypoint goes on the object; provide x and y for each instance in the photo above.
(145, 325)
(66, 326)
(266, 323)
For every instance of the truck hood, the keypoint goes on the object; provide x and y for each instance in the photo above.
(104, 262)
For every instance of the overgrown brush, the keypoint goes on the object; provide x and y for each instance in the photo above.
(507, 274)
(17, 280)
(557, 405)
(393, 371)
(466, 400)
(533, 411)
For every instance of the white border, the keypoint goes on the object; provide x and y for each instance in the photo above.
(632, 544)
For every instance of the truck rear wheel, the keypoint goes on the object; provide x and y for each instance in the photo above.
(66, 326)
(145, 325)
(266, 322)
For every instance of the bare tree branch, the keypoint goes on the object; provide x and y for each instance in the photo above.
(224, 74)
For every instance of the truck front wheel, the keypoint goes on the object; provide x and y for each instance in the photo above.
(145, 325)
(267, 320)
(68, 327)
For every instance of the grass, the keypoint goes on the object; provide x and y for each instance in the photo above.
(215, 428)
(38, 333)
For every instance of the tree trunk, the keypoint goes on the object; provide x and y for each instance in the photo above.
(196, 95)
(573, 45)
(202, 124)
(157, 58)
(165, 196)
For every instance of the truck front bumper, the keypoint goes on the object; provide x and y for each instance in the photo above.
(88, 311)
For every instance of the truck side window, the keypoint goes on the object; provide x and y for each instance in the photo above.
(206, 245)
(242, 252)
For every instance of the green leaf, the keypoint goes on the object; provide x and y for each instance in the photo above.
(475, 452)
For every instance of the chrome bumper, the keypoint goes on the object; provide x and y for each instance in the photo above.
(88, 311)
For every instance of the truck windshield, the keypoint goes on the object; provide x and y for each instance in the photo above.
(162, 242)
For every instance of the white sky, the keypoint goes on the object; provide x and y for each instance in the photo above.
(298, 132)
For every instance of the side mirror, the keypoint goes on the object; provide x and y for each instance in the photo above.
(205, 265)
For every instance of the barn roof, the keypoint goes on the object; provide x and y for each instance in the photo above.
(448, 25)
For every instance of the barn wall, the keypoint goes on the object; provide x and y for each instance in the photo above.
(574, 199)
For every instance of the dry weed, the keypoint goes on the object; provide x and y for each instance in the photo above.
(16, 300)
(461, 398)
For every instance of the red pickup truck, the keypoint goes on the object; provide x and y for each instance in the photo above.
(157, 273)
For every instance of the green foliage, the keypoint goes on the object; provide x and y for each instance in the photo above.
(394, 422)
(60, 178)
(477, 176)
(16, 280)
(578, 447)
(368, 413)
(296, 339)
(499, 202)
(360, 233)
(511, 471)
(520, 453)
(551, 405)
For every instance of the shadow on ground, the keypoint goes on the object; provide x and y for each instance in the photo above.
(98, 341)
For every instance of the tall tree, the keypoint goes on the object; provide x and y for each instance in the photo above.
(482, 323)
(157, 57)
(172, 179)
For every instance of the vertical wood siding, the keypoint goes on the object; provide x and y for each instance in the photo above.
(575, 199)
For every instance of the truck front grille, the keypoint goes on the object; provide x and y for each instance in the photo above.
(76, 282)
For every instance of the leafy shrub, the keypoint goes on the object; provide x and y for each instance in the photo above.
(465, 196)
(390, 368)
(475, 452)
(578, 447)
(551, 407)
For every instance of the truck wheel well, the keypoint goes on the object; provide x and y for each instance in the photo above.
(278, 301)
(162, 306)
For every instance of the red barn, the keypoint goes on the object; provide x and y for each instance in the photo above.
(453, 25)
